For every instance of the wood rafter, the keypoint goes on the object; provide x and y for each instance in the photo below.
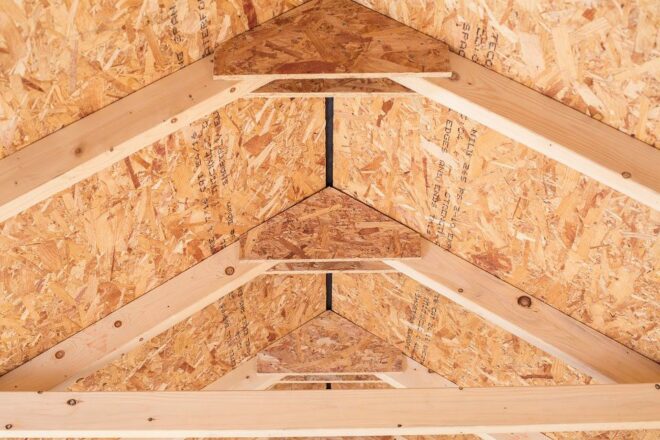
(539, 324)
(330, 413)
(95, 142)
(547, 126)
(330, 39)
(136, 322)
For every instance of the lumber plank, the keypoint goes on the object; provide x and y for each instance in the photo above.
(95, 142)
(563, 134)
(325, 413)
(331, 267)
(136, 322)
(330, 39)
(539, 324)
(329, 344)
(332, 88)
(329, 226)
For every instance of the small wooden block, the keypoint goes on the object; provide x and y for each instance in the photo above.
(330, 344)
(321, 267)
(332, 88)
(330, 226)
(331, 39)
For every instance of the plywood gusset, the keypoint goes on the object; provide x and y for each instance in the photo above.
(330, 39)
(95, 142)
(566, 135)
(329, 344)
(329, 226)
(324, 413)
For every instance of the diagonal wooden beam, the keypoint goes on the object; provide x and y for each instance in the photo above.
(533, 321)
(95, 142)
(330, 413)
(547, 126)
(138, 321)
(330, 39)
(329, 226)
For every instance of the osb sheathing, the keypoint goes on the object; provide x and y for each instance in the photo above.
(199, 350)
(562, 237)
(601, 58)
(89, 250)
(451, 341)
(61, 60)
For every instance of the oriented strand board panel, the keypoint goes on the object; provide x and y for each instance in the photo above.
(76, 257)
(329, 344)
(348, 87)
(199, 350)
(568, 240)
(331, 39)
(60, 61)
(329, 226)
(453, 342)
(598, 57)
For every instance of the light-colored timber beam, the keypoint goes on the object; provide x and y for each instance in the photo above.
(330, 413)
(95, 142)
(530, 319)
(329, 226)
(322, 267)
(547, 126)
(136, 322)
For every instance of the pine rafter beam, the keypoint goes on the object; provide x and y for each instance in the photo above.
(95, 142)
(533, 321)
(330, 413)
(134, 323)
(561, 133)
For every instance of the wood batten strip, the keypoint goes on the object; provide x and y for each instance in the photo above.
(136, 322)
(330, 413)
(332, 88)
(329, 226)
(95, 142)
(330, 39)
(331, 267)
(547, 126)
(534, 321)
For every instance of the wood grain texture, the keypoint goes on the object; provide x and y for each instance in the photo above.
(332, 267)
(572, 138)
(325, 88)
(329, 344)
(552, 232)
(342, 412)
(330, 39)
(329, 226)
(99, 245)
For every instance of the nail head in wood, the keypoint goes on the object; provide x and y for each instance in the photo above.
(460, 290)
(78, 151)
(71, 402)
(9, 426)
(173, 120)
(657, 386)
(524, 301)
(229, 270)
(59, 354)
(117, 324)
(626, 175)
